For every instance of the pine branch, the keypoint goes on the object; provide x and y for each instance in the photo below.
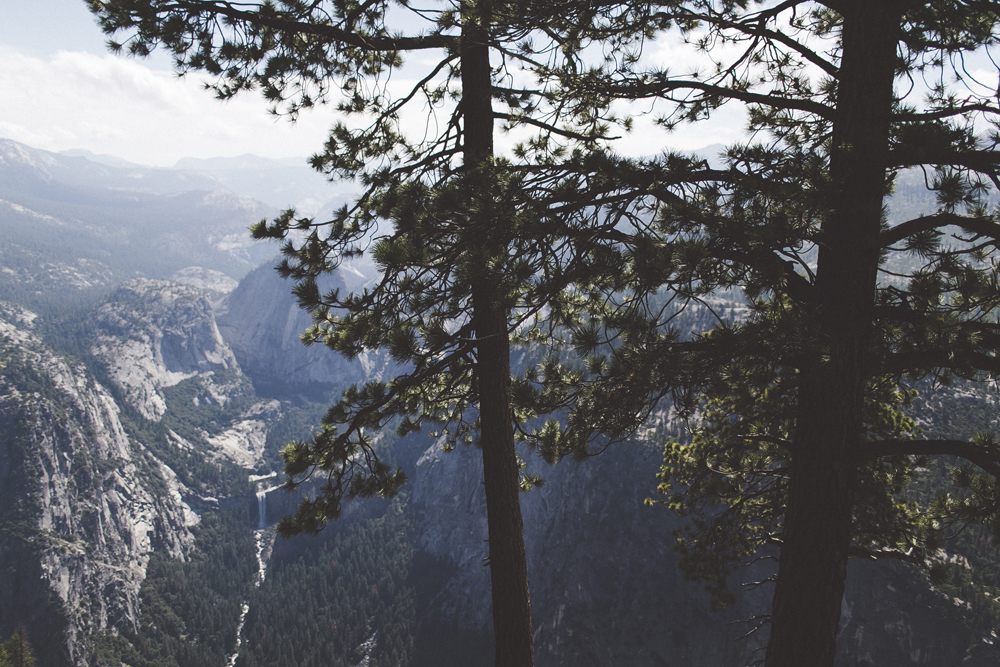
(569, 134)
(786, 279)
(880, 554)
(987, 162)
(645, 90)
(985, 458)
(941, 114)
(980, 226)
(905, 362)
(754, 27)
(334, 34)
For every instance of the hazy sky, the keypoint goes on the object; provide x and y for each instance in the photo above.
(62, 90)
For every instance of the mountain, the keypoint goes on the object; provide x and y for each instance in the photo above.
(79, 499)
(141, 415)
(74, 229)
(287, 183)
(31, 172)
(262, 322)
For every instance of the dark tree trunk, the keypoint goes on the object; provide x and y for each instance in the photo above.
(823, 474)
(508, 565)
(507, 561)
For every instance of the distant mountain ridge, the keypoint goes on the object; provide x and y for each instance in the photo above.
(278, 182)
(73, 229)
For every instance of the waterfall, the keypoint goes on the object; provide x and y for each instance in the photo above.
(262, 509)
(264, 540)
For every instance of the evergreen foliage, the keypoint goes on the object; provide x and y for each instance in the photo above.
(803, 440)
(471, 247)
(353, 581)
(804, 443)
(960, 410)
(189, 610)
(295, 422)
(17, 651)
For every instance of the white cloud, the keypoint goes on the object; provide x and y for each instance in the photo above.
(119, 106)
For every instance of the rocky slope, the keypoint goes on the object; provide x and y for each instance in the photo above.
(78, 498)
(87, 492)
(604, 583)
(190, 385)
(262, 323)
(153, 334)
(158, 343)
(101, 467)
(605, 588)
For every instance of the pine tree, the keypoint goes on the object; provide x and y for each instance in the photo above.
(470, 245)
(804, 442)
(16, 651)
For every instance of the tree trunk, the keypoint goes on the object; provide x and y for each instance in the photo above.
(818, 520)
(507, 561)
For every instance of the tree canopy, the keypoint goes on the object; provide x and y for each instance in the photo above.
(471, 246)
(804, 440)
(804, 443)
(16, 651)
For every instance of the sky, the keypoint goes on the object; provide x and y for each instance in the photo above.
(62, 90)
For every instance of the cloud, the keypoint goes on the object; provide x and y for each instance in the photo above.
(119, 106)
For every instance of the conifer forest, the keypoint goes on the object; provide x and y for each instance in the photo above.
(520, 393)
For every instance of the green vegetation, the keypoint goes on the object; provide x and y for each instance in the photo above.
(189, 609)
(960, 410)
(295, 423)
(192, 410)
(806, 446)
(192, 466)
(17, 651)
(324, 597)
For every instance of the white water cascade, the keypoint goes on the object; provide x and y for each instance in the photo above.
(262, 509)
(263, 540)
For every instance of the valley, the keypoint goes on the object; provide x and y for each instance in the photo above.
(152, 372)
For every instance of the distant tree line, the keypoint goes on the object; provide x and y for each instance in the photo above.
(189, 608)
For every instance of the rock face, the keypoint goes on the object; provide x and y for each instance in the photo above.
(206, 279)
(262, 323)
(153, 334)
(77, 499)
(83, 502)
(605, 588)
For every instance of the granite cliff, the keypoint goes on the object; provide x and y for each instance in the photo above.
(78, 496)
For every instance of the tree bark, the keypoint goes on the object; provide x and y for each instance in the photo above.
(817, 526)
(507, 561)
